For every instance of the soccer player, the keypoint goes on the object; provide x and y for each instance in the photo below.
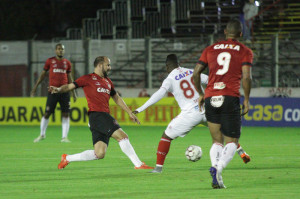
(180, 83)
(59, 74)
(98, 89)
(228, 61)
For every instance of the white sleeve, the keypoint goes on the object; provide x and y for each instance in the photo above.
(167, 84)
(158, 95)
(204, 79)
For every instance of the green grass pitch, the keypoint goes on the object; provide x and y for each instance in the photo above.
(29, 170)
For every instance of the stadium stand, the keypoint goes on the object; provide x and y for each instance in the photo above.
(158, 27)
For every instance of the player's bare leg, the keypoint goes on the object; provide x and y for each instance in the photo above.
(245, 157)
(98, 153)
(162, 151)
(127, 148)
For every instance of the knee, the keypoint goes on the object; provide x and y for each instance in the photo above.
(47, 115)
(65, 114)
(100, 154)
(164, 135)
(122, 137)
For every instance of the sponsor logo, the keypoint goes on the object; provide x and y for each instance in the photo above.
(217, 101)
(103, 90)
(58, 70)
(182, 75)
(227, 46)
(219, 85)
(276, 113)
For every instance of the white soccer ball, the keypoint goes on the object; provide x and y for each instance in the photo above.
(193, 153)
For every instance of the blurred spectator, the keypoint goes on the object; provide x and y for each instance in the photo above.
(250, 10)
(242, 4)
(144, 93)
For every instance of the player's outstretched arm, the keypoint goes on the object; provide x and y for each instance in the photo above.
(246, 82)
(63, 89)
(158, 95)
(120, 102)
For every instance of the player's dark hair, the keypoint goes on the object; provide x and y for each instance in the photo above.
(172, 60)
(59, 44)
(99, 60)
(234, 28)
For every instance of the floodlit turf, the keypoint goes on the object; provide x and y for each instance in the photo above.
(29, 170)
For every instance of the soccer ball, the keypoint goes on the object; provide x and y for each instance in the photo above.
(193, 153)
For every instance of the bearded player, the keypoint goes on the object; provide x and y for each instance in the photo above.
(98, 89)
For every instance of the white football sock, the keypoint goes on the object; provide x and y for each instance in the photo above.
(215, 153)
(240, 151)
(65, 126)
(227, 155)
(83, 156)
(43, 126)
(127, 148)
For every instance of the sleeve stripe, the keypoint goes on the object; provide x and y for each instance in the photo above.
(76, 85)
(246, 63)
(113, 92)
(201, 62)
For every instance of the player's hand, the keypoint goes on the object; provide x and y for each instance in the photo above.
(134, 118)
(74, 98)
(201, 103)
(135, 112)
(245, 107)
(53, 89)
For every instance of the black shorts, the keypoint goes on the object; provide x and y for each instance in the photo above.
(102, 126)
(62, 98)
(228, 115)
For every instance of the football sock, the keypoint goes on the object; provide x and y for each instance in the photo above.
(240, 150)
(65, 126)
(43, 126)
(227, 155)
(127, 148)
(162, 151)
(83, 156)
(215, 153)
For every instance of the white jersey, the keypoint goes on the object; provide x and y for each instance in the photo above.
(180, 83)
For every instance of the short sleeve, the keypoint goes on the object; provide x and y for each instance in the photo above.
(167, 84)
(81, 81)
(248, 57)
(112, 91)
(47, 65)
(203, 58)
(69, 69)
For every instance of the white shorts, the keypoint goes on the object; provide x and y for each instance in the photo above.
(184, 122)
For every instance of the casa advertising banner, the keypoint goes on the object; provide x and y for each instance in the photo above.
(281, 112)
